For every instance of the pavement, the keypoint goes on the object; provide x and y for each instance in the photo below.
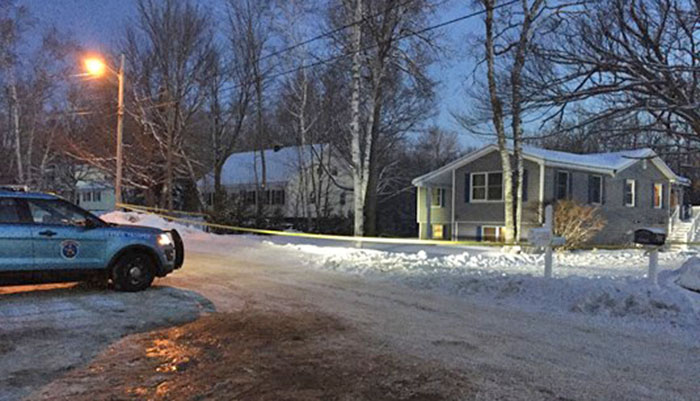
(61, 342)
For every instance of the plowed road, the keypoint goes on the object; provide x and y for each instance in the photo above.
(59, 342)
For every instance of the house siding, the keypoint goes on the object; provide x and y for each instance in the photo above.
(620, 219)
(438, 215)
(471, 216)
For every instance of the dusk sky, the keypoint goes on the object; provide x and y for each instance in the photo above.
(98, 24)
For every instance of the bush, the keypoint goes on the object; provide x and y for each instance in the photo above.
(576, 222)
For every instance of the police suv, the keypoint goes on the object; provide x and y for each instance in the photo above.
(44, 238)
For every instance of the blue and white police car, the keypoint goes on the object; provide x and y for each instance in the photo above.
(44, 238)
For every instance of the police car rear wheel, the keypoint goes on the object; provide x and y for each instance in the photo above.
(133, 272)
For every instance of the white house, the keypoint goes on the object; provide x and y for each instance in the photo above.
(93, 191)
(301, 182)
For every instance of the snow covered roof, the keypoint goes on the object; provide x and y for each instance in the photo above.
(280, 164)
(611, 160)
(606, 163)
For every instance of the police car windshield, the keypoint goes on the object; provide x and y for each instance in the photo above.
(60, 212)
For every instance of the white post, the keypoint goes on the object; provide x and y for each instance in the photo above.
(548, 223)
(653, 266)
(429, 206)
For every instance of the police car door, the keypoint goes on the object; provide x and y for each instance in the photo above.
(16, 251)
(62, 238)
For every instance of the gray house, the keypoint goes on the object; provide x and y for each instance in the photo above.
(463, 200)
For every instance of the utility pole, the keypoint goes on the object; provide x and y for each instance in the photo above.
(120, 133)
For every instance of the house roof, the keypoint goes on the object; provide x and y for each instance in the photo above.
(280, 164)
(604, 163)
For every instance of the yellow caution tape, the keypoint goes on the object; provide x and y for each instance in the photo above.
(377, 240)
(159, 210)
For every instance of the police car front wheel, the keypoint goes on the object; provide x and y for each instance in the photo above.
(133, 272)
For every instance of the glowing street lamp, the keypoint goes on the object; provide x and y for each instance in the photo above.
(96, 67)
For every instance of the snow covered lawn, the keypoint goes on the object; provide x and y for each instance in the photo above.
(606, 285)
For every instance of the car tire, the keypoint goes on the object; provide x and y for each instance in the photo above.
(133, 272)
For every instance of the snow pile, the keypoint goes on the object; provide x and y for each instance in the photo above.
(604, 284)
(596, 283)
(689, 274)
(149, 220)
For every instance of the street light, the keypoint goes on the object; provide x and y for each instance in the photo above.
(97, 68)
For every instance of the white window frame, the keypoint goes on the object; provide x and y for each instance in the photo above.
(661, 195)
(600, 190)
(486, 187)
(634, 192)
(568, 185)
(499, 231)
(441, 197)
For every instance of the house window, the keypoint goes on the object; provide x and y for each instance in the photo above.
(562, 187)
(210, 198)
(658, 195)
(249, 197)
(97, 196)
(438, 197)
(343, 199)
(630, 189)
(87, 196)
(438, 231)
(491, 233)
(277, 197)
(487, 187)
(595, 189)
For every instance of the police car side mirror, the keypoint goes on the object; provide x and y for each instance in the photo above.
(89, 224)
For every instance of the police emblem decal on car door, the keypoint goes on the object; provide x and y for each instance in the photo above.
(69, 249)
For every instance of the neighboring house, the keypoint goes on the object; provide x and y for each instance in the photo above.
(302, 182)
(93, 191)
(633, 189)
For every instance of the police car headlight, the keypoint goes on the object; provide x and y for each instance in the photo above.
(165, 239)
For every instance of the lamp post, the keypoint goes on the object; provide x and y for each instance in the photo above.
(97, 67)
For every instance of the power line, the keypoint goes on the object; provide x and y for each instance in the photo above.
(350, 53)
(333, 31)
(343, 55)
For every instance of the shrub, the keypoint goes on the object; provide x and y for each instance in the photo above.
(576, 222)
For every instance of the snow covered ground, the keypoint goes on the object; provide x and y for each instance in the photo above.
(605, 285)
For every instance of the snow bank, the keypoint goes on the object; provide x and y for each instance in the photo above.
(195, 238)
(689, 274)
(606, 284)
(603, 284)
(149, 220)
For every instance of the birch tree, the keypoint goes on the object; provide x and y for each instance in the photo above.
(361, 145)
(509, 37)
(386, 64)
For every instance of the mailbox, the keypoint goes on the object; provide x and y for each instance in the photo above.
(649, 236)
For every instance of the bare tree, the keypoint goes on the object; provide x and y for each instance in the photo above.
(626, 57)
(170, 55)
(390, 62)
(508, 45)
